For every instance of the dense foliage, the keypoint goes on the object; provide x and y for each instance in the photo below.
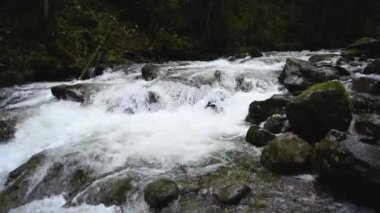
(51, 40)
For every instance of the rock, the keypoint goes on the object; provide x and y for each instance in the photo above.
(258, 137)
(160, 193)
(259, 111)
(366, 84)
(95, 71)
(367, 103)
(349, 167)
(318, 109)
(232, 193)
(368, 124)
(373, 68)
(108, 191)
(7, 129)
(242, 84)
(219, 75)
(150, 72)
(286, 154)
(298, 75)
(368, 47)
(76, 92)
(323, 57)
(342, 61)
(275, 123)
(342, 71)
(255, 53)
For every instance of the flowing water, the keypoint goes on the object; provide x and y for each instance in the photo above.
(119, 128)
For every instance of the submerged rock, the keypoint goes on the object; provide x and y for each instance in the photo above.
(160, 193)
(7, 129)
(373, 68)
(318, 109)
(369, 125)
(349, 167)
(298, 75)
(322, 57)
(259, 111)
(150, 72)
(76, 92)
(367, 103)
(366, 84)
(232, 193)
(286, 154)
(276, 124)
(258, 136)
(255, 53)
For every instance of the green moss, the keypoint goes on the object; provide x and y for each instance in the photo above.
(79, 179)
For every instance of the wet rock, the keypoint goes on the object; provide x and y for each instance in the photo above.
(323, 57)
(150, 72)
(286, 154)
(219, 75)
(76, 92)
(342, 71)
(342, 61)
(255, 53)
(367, 103)
(349, 167)
(258, 137)
(109, 191)
(7, 129)
(366, 84)
(298, 75)
(232, 193)
(153, 97)
(95, 71)
(259, 111)
(373, 68)
(318, 109)
(368, 47)
(243, 85)
(160, 193)
(369, 125)
(275, 124)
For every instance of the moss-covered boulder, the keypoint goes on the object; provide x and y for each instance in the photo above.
(351, 168)
(298, 75)
(258, 136)
(368, 47)
(366, 84)
(373, 68)
(259, 111)
(318, 109)
(150, 72)
(160, 193)
(286, 154)
(369, 125)
(231, 193)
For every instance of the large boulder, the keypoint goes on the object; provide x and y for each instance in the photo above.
(160, 193)
(259, 111)
(368, 47)
(369, 125)
(366, 84)
(258, 136)
(150, 72)
(349, 167)
(373, 68)
(318, 109)
(298, 75)
(76, 92)
(286, 154)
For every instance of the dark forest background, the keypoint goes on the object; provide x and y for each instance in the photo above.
(57, 39)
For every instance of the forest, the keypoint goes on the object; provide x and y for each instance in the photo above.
(54, 40)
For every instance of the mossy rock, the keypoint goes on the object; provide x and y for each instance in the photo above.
(318, 109)
(258, 136)
(160, 193)
(286, 154)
